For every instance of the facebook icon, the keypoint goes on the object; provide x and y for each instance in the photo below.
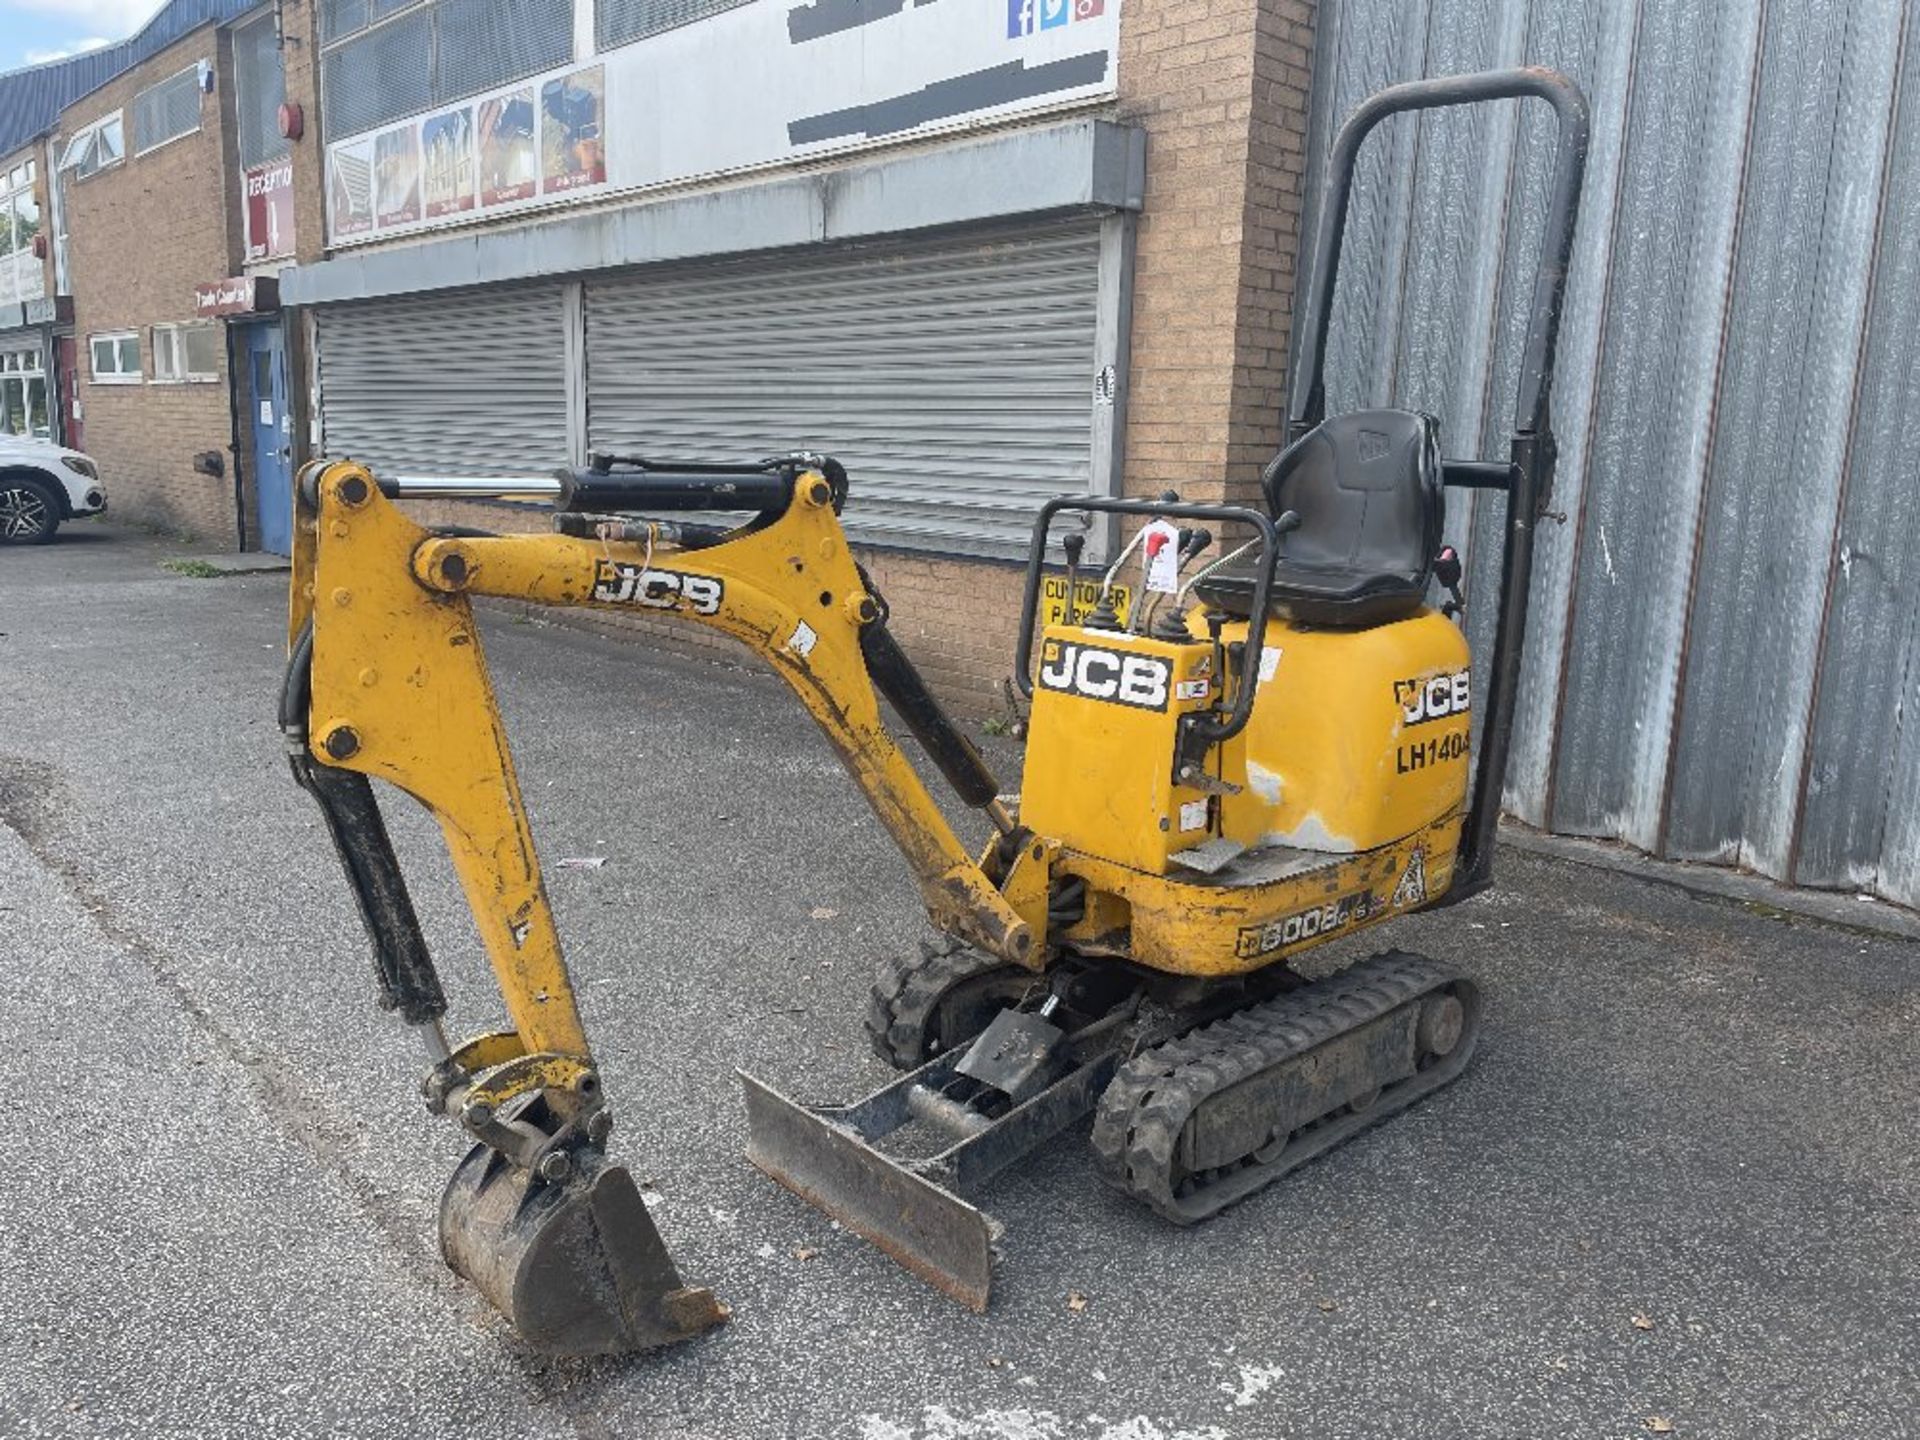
(1020, 18)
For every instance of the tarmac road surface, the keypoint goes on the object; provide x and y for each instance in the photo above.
(1679, 1185)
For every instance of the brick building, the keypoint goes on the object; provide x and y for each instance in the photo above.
(28, 309)
(986, 254)
(153, 212)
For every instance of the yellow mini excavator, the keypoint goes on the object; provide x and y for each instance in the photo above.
(1269, 746)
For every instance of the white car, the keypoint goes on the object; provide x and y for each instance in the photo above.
(42, 484)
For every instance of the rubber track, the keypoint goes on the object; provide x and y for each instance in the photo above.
(908, 988)
(1140, 1118)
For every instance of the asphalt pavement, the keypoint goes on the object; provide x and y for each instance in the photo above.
(1679, 1185)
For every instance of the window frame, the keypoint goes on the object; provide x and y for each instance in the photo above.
(199, 97)
(441, 91)
(116, 376)
(278, 146)
(19, 180)
(73, 160)
(174, 348)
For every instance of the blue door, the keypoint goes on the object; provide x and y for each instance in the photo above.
(272, 432)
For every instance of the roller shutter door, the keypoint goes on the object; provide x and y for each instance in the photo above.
(955, 378)
(459, 382)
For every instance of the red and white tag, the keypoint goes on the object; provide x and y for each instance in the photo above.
(1160, 545)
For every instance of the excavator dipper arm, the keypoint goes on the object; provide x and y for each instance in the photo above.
(388, 681)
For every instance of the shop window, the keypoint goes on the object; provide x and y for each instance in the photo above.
(168, 110)
(23, 395)
(383, 60)
(116, 358)
(186, 354)
(100, 145)
(618, 21)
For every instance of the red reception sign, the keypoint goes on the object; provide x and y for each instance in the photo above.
(267, 193)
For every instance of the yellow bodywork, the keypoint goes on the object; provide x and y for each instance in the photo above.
(1342, 798)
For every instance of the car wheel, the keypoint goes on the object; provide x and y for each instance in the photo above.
(29, 513)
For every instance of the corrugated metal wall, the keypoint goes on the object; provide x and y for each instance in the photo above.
(1725, 647)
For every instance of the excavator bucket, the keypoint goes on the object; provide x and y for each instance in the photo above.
(577, 1266)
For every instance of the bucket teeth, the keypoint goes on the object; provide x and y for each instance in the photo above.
(577, 1267)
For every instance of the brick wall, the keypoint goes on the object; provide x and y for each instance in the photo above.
(300, 59)
(142, 234)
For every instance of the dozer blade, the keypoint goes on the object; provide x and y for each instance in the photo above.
(576, 1267)
(933, 1232)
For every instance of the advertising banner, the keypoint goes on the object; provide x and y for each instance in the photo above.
(350, 189)
(763, 84)
(396, 177)
(572, 111)
(509, 170)
(447, 163)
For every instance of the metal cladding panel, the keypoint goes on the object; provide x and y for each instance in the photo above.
(1671, 250)
(457, 383)
(1725, 639)
(1861, 820)
(1594, 40)
(953, 377)
(1811, 203)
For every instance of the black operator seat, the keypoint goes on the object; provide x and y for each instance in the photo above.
(1368, 489)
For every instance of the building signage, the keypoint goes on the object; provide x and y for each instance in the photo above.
(266, 203)
(767, 83)
(237, 295)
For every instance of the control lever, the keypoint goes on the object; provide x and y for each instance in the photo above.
(1073, 543)
(1106, 616)
(1447, 570)
(1171, 622)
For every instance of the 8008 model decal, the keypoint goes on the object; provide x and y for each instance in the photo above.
(619, 583)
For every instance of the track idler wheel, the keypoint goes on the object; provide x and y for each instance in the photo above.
(575, 1265)
(944, 995)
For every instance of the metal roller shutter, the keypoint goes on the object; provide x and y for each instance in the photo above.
(954, 378)
(461, 382)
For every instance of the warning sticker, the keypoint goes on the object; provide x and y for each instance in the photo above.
(1193, 815)
(803, 639)
(1412, 889)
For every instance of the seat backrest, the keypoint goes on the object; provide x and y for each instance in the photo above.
(1368, 488)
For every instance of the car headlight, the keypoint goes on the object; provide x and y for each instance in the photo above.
(80, 465)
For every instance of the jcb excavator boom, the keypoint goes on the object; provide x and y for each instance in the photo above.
(388, 681)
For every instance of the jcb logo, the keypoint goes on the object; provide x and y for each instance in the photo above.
(1434, 698)
(623, 584)
(1137, 680)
